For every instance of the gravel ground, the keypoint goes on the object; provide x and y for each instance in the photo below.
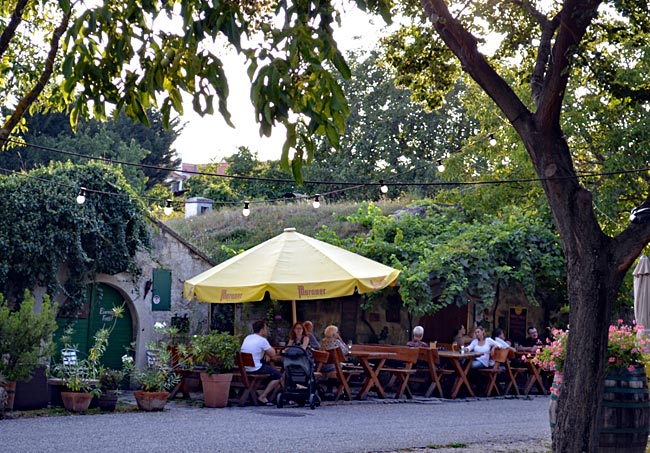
(428, 425)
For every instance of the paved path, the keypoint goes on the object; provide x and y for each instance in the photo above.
(495, 424)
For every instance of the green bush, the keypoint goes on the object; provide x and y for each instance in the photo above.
(25, 337)
(216, 351)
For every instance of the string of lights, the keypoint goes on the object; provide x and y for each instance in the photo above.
(351, 185)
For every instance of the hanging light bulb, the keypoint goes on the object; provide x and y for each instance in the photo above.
(168, 208)
(247, 210)
(383, 187)
(441, 166)
(81, 198)
(493, 141)
(316, 202)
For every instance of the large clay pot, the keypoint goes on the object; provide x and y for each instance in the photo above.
(10, 388)
(76, 401)
(150, 401)
(216, 388)
(32, 394)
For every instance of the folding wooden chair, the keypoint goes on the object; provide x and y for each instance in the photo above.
(343, 377)
(247, 383)
(432, 374)
(500, 357)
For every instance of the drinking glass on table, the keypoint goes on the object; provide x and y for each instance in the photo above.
(454, 346)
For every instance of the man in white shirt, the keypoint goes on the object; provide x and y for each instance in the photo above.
(259, 347)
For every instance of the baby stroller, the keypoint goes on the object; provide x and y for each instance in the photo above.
(299, 381)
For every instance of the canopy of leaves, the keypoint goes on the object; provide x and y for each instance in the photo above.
(43, 228)
(446, 257)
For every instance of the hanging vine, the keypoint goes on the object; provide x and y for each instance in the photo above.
(47, 239)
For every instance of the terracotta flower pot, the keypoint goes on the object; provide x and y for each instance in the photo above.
(150, 401)
(76, 401)
(107, 402)
(216, 388)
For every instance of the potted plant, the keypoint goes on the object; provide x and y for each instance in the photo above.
(25, 340)
(80, 377)
(109, 385)
(216, 352)
(155, 380)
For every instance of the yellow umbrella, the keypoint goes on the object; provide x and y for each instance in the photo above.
(290, 266)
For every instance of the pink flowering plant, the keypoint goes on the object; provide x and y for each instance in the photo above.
(624, 349)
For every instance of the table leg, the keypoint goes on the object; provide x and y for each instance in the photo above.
(461, 377)
(371, 378)
(534, 378)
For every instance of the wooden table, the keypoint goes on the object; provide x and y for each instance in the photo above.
(461, 369)
(534, 378)
(371, 370)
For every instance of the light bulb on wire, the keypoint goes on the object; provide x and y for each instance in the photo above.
(493, 141)
(81, 198)
(247, 210)
(441, 166)
(316, 202)
(383, 187)
(168, 208)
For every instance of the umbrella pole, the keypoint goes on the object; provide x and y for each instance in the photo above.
(293, 311)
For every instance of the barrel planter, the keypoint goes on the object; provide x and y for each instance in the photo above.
(32, 394)
(625, 415)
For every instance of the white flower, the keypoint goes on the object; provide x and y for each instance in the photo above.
(159, 325)
(127, 359)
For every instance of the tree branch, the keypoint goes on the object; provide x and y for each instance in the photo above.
(33, 94)
(575, 17)
(10, 31)
(464, 45)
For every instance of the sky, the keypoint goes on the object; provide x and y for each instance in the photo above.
(209, 139)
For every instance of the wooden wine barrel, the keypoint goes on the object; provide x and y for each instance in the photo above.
(625, 417)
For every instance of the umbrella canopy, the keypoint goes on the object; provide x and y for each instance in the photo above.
(290, 266)
(642, 292)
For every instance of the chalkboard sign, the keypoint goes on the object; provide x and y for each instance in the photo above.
(517, 324)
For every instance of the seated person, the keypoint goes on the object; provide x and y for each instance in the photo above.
(532, 342)
(259, 347)
(460, 337)
(483, 345)
(416, 342)
(309, 331)
(298, 337)
(332, 340)
(499, 337)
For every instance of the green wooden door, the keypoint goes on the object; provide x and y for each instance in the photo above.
(97, 314)
(102, 300)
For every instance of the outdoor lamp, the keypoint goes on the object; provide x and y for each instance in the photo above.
(81, 198)
(168, 208)
(247, 210)
(316, 202)
(441, 166)
(383, 187)
(493, 141)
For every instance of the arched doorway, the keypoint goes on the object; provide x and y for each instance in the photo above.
(96, 314)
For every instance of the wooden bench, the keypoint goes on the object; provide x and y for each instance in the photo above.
(320, 359)
(247, 384)
(432, 373)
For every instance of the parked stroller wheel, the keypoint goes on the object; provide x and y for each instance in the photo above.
(279, 400)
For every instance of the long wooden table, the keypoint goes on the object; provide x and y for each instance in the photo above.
(534, 377)
(461, 363)
(372, 362)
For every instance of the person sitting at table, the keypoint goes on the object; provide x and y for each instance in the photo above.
(499, 337)
(298, 337)
(483, 345)
(416, 342)
(309, 331)
(259, 347)
(532, 342)
(460, 337)
(332, 340)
